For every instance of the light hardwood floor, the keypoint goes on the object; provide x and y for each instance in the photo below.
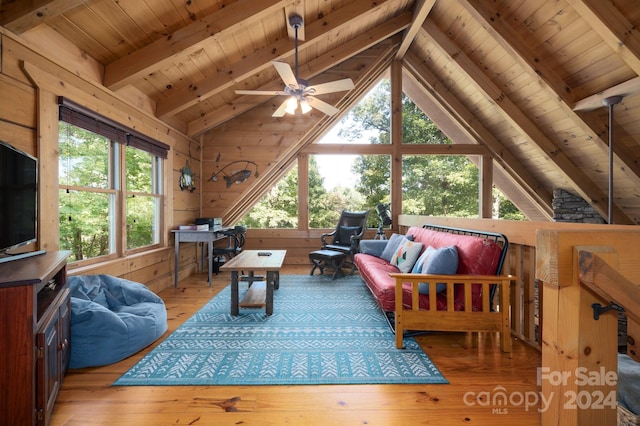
(474, 366)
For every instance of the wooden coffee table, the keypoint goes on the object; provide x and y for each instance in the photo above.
(252, 261)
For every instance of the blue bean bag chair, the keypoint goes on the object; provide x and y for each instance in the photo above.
(629, 383)
(111, 319)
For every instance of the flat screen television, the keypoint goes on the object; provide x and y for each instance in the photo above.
(18, 198)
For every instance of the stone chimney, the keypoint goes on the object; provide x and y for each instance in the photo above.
(568, 207)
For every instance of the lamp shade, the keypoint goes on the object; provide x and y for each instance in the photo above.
(292, 105)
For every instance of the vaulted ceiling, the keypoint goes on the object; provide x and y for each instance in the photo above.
(524, 78)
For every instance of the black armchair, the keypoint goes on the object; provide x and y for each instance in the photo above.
(347, 235)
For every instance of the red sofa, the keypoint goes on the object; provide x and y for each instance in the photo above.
(480, 259)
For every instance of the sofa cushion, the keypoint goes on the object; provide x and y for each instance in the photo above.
(406, 254)
(443, 261)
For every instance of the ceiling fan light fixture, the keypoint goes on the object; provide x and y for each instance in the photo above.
(292, 105)
(298, 89)
(304, 106)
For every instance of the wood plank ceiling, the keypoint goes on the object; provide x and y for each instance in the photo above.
(525, 78)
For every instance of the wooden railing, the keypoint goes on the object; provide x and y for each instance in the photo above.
(597, 272)
(582, 273)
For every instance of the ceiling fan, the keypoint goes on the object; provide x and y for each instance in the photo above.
(300, 93)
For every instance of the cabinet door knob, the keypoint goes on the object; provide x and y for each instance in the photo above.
(63, 344)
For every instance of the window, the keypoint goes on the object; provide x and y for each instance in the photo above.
(336, 182)
(143, 179)
(110, 194)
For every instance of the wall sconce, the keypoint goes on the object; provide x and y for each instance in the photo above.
(236, 176)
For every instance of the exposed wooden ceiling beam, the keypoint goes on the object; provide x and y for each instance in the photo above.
(510, 111)
(624, 89)
(420, 12)
(317, 31)
(21, 16)
(466, 120)
(232, 17)
(307, 71)
(541, 71)
(614, 28)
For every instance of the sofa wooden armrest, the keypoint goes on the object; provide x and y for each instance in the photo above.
(452, 318)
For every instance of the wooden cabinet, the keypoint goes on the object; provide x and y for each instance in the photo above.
(35, 330)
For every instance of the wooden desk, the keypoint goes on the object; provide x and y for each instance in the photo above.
(189, 236)
(248, 260)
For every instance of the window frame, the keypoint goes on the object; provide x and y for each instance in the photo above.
(119, 137)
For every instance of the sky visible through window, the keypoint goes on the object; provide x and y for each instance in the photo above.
(335, 169)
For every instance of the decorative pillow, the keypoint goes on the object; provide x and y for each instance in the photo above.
(392, 246)
(406, 255)
(443, 261)
(344, 234)
(422, 260)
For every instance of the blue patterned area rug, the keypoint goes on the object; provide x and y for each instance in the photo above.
(321, 332)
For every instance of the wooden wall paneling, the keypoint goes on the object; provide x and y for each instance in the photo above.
(118, 267)
(154, 257)
(159, 271)
(19, 136)
(22, 112)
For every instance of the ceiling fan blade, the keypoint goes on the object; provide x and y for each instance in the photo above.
(321, 105)
(281, 109)
(286, 73)
(332, 86)
(260, 92)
